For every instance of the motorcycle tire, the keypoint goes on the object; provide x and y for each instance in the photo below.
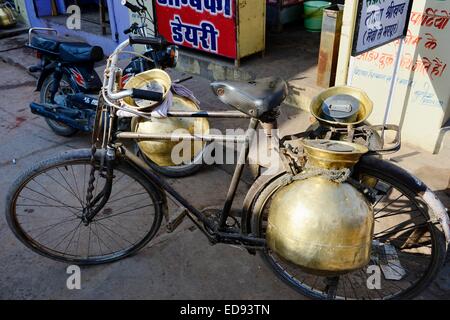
(57, 127)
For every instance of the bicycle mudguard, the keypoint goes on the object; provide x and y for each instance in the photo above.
(260, 184)
(411, 181)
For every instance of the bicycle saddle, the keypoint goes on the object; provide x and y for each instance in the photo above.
(254, 98)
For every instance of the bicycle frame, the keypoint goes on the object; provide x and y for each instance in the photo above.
(216, 232)
(220, 232)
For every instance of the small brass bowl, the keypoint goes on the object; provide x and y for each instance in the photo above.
(362, 115)
(329, 154)
(157, 77)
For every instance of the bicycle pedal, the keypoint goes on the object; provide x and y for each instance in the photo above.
(175, 223)
(214, 212)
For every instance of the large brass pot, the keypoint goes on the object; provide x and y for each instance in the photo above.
(160, 151)
(322, 226)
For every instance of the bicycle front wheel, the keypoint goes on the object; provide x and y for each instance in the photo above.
(45, 205)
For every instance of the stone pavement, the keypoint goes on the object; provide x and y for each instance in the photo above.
(174, 266)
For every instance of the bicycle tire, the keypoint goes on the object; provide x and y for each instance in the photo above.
(67, 158)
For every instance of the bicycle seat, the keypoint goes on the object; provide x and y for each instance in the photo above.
(254, 98)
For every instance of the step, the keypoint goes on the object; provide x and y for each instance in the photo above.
(443, 143)
(301, 90)
(14, 31)
(210, 67)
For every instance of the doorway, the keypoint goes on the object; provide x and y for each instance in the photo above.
(95, 17)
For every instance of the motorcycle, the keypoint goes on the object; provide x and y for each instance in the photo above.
(68, 83)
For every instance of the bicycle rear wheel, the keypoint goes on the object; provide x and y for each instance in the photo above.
(44, 210)
(408, 247)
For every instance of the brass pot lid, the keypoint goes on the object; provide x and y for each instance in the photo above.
(341, 108)
(331, 154)
(364, 109)
(154, 80)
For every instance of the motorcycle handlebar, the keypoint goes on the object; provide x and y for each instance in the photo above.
(130, 6)
(132, 28)
(151, 41)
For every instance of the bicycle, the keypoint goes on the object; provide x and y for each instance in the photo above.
(114, 204)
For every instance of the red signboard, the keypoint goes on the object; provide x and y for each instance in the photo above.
(207, 25)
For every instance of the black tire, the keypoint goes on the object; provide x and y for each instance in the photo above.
(69, 160)
(383, 171)
(59, 128)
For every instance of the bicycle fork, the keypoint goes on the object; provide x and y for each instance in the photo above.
(89, 212)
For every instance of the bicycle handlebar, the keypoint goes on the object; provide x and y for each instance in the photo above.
(109, 80)
(146, 95)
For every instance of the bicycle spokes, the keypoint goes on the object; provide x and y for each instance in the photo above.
(50, 208)
(402, 251)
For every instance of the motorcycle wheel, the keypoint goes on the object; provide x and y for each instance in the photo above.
(403, 220)
(65, 88)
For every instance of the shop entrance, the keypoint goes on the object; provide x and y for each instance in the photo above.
(304, 45)
(95, 18)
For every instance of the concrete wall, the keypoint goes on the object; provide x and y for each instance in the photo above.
(345, 45)
(422, 95)
(22, 10)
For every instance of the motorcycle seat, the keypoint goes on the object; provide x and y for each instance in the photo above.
(46, 43)
(79, 52)
(255, 98)
(68, 51)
